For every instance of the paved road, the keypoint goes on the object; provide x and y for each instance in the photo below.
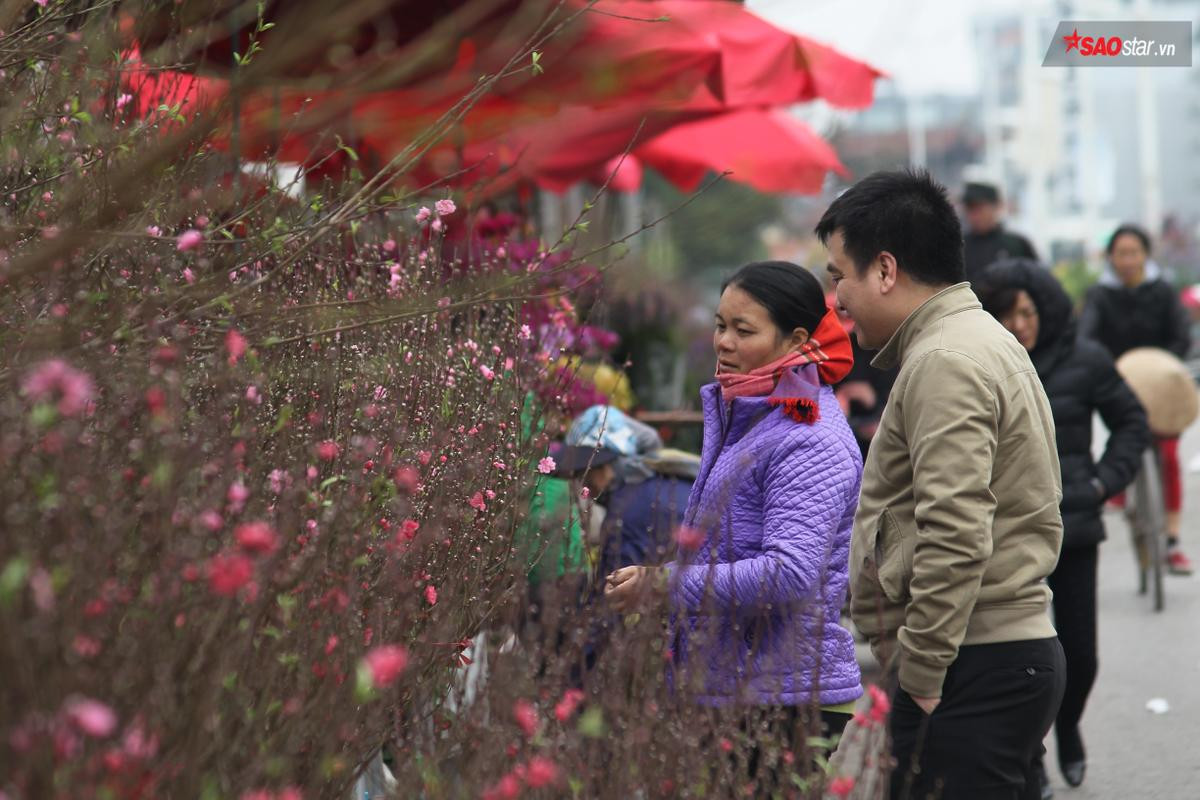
(1133, 753)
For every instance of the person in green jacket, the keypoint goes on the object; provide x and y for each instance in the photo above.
(552, 540)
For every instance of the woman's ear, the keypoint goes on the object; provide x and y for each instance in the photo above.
(799, 339)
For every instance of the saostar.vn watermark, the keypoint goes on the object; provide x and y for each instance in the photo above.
(1116, 43)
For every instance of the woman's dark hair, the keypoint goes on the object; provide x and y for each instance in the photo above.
(906, 213)
(997, 299)
(1132, 230)
(791, 294)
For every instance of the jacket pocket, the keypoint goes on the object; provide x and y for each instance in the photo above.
(893, 558)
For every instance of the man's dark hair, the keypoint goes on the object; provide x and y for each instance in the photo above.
(1130, 230)
(906, 213)
(791, 294)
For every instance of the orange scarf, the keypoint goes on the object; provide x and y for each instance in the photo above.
(828, 347)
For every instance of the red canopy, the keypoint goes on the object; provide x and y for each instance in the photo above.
(770, 150)
(758, 64)
(648, 63)
(697, 54)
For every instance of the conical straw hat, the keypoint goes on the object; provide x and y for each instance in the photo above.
(1164, 386)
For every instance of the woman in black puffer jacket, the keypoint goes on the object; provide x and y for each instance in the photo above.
(1080, 379)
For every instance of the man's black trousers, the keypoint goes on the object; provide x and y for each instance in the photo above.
(998, 702)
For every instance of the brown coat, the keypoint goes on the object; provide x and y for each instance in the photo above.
(958, 523)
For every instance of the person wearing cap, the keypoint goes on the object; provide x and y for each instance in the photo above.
(986, 240)
(1081, 380)
(758, 583)
(1134, 306)
(552, 533)
(643, 506)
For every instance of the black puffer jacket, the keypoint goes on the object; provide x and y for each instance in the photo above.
(1080, 379)
(1148, 315)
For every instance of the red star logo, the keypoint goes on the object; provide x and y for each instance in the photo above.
(1072, 40)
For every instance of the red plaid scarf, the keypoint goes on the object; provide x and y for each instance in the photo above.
(828, 347)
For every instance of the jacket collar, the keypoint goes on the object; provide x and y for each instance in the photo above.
(994, 233)
(1109, 277)
(800, 381)
(951, 300)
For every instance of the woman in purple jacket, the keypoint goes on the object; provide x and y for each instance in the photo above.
(758, 584)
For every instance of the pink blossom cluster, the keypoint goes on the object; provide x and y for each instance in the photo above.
(56, 378)
(539, 772)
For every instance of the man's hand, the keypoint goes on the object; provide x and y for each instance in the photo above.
(628, 588)
(927, 704)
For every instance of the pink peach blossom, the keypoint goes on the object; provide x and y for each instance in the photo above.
(565, 708)
(228, 573)
(385, 664)
(237, 496)
(73, 387)
(256, 537)
(235, 344)
(842, 786)
(526, 716)
(189, 240)
(507, 788)
(688, 537)
(91, 717)
(540, 772)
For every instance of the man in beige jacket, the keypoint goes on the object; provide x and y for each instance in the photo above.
(958, 522)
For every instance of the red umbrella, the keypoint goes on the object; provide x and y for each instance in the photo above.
(765, 148)
(768, 149)
(697, 54)
(759, 65)
(634, 67)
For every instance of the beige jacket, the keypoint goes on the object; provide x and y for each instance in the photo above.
(958, 522)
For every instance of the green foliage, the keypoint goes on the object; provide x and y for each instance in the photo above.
(720, 228)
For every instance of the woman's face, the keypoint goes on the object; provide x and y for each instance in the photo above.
(1128, 258)
(745, 337)
(1022, 320)
(597, 480)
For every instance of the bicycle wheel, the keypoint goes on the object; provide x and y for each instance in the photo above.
(1156, 529)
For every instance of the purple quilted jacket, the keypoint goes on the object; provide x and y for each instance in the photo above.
(756, 606)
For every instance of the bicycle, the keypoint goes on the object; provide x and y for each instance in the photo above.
(1148, 526)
